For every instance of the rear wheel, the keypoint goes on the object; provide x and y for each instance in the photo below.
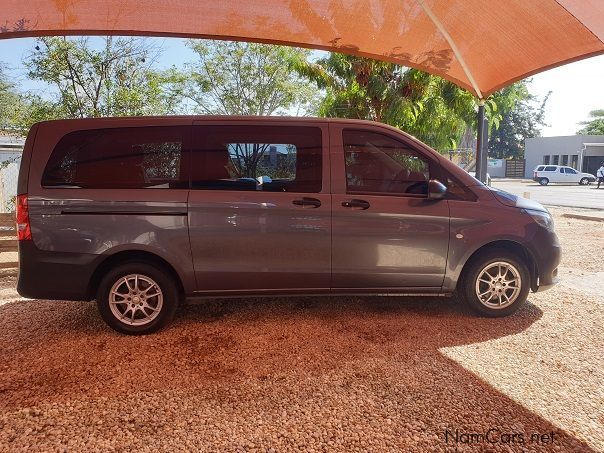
(137, 298)
(544, 181)
(496, 283)
(584, 181)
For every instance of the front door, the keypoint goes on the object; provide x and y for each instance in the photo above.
(571, 175)
(386, 233)
(259, 207)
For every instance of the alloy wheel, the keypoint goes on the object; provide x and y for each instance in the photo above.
(135, 299)
(498, 285)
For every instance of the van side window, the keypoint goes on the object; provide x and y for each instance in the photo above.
(267, 158)
(550, 168)
(378, 164)
(118, 158)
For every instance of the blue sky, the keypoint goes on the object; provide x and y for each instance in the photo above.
(576, 88)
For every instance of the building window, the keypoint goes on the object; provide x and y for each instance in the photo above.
(574, 161)
(565, 159)
(556, 159)
(546, 160)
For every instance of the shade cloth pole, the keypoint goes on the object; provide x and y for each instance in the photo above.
(481, 144)
(484, 152)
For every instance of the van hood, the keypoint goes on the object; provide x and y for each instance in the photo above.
(514, 201)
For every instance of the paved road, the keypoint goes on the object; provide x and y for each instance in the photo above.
(556, 194)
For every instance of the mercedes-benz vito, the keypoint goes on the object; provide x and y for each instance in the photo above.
(141, 213)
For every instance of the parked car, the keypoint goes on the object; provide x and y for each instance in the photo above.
(544, 174)
(142, 213)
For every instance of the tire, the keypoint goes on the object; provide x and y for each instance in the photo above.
(150, 313)
(544, 181)
(489, 262)
(584, 181)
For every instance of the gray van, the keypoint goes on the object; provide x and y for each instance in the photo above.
(141, 213)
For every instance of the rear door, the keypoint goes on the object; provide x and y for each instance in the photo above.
(259, 207)
(556, 174)
(387, 235)
(551, 173)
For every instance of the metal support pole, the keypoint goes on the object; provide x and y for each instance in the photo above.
(485, 149)
(481, 144)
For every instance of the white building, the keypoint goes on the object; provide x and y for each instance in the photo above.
(582, 152)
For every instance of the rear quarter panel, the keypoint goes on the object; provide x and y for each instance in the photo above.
(107, 221)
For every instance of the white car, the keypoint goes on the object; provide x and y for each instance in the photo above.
(544, 174)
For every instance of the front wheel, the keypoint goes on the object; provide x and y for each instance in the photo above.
(496, 284)
(137, 298)
(584, 181)
(544, 181)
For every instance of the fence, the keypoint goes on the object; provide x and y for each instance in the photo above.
(9, 172)
(8, 241)
(11, 149)
(514, 168)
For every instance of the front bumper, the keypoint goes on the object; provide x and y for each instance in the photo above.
(547, 283)
(547, 259)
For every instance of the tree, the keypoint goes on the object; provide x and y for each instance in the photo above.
(595, 126)
(113, 80)
(523, 118)
(10, 102)
(234, 78)
(434, 110)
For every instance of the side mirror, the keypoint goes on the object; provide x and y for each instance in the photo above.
(436, 190)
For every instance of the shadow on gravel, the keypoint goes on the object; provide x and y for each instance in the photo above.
(58, 351)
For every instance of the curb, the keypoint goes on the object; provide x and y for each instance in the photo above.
(584, 217)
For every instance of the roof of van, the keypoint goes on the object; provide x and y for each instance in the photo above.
(222, 118)
(91, 122)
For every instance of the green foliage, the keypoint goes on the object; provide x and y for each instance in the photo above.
(426, 106)
(522, 118)
(11, 102)
(595, 126)
(116, 79)
(235, 78)
(431, 108)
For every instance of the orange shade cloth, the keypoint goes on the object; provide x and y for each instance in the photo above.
(481, 45)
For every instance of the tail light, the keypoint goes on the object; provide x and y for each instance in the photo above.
(23, 227)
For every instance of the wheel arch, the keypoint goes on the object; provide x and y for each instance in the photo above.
(130, 256)
(516, 248)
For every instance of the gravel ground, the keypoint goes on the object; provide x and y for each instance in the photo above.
(319, 374)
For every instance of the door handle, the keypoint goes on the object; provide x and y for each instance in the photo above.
(356, 204)
(307, 202)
